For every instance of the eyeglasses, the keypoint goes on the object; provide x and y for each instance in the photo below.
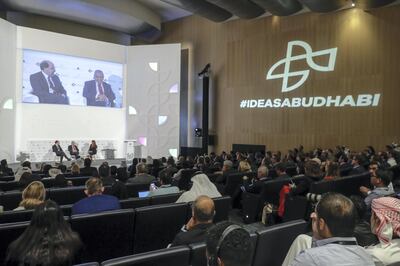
(373, 168)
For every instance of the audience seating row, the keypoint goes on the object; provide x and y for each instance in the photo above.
(270, 248)
(9, 184)
(253, 203)
(349, 185)
(64, 196)
(122, 232)
(222, 204)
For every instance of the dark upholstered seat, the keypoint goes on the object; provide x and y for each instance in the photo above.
(65, 196)
(198, 254)
(15, 216)
(274, 242)
(9, 233)
(106, 235)
(156, 226)
(176, 256)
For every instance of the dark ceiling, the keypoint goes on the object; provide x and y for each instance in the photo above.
(144, 17)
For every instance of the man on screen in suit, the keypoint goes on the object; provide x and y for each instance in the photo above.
(47, 86)
(97, 92)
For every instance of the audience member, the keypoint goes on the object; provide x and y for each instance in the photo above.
(165, 188)
(380, 179)
(194, 231)
(25, 167)
(256, 184)
(95, 201)
(32, 196)
(169, 170)
(228, 244)
(4, 169)
(331, 171)
(385, 223)
(118, 189)
(201, 186)
(60, 181)
(47, 241)
(333, 223)
(26, 179)
(227, 168)
(75, 170)
(87, 170)
(280, 169)
(141, 177)
(132, 167)
(358, 167)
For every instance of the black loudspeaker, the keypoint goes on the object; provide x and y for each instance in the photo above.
(212, 140)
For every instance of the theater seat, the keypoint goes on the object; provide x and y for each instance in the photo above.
(176, 256)
(8, 233)
(133, 203)
(156, 226)
(9, 185)
(65, 196)
(78, 180)
(274, 242)
(198, 254)
(15, 216)
(133, 190)
(222, 208)
(7, 178)
(164, 199)
(10, 200)
(105, 235)
(88, 264)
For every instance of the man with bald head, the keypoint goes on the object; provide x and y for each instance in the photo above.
(195, 230)
(97, 92)
(47, 86)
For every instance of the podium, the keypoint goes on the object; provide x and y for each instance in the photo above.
(132, 150)
(108, 154)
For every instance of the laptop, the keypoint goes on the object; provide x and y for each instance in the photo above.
(143, 194)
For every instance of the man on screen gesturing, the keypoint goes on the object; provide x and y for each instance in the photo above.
(47, 86)
(97, 92)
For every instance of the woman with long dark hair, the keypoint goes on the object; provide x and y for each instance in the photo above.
(47, 241)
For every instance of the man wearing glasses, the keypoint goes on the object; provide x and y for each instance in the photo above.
(381, 182)
(333, 223)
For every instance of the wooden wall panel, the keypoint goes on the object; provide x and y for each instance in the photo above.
(242, 51)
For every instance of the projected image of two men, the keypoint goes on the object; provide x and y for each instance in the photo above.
(59, 79)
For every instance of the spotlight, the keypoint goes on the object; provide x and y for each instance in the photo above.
(198, 132)
(353, 4)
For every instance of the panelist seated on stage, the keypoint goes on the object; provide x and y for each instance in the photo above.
(92, 148)
(73, 150)
(97, 92)
(59, 151)
(47, 86)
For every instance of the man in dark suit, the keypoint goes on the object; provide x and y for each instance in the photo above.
(97, 92)
(141, 177)
(255, 185)
(47, 86)
(195, 230)
(73, 150)
(59, 151)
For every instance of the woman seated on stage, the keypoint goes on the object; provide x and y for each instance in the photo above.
(92, 148)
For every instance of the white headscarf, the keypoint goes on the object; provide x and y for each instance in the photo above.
(201, 186)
